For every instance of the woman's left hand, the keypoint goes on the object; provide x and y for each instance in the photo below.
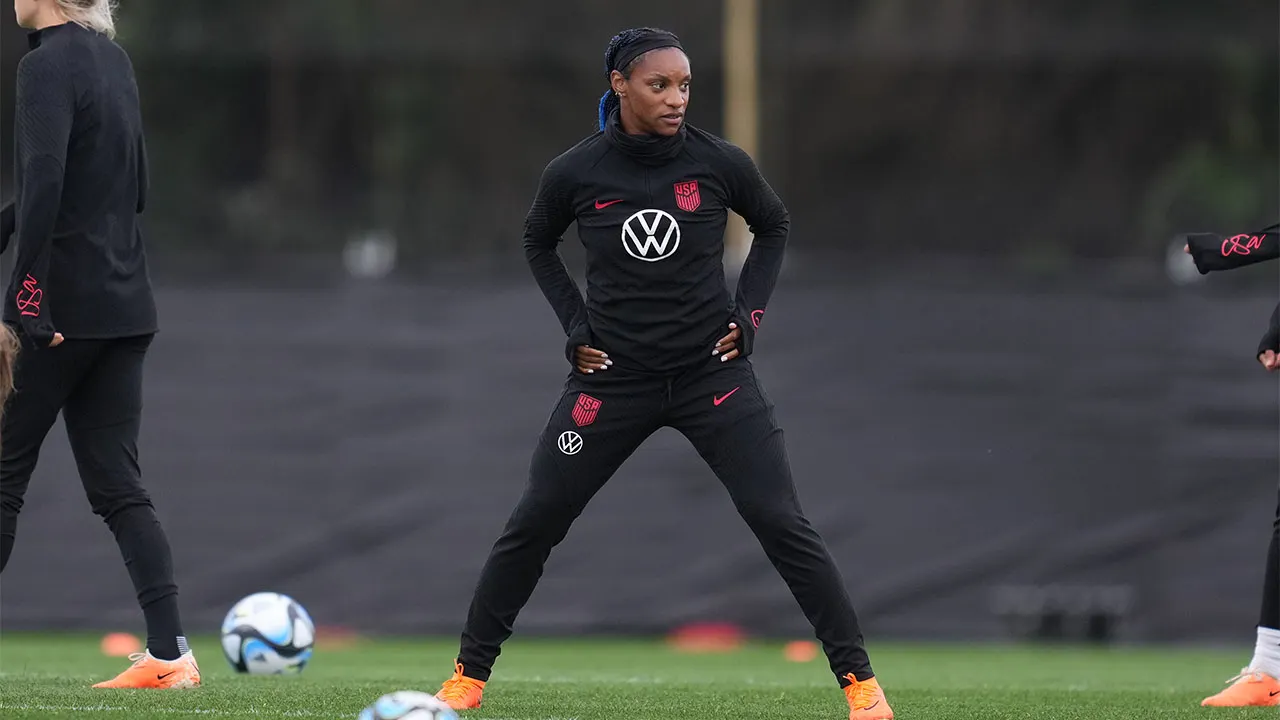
(727, 346)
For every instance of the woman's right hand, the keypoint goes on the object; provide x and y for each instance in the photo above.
(588, 360)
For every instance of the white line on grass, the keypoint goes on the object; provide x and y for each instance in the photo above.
(643, 680)
(183, 711)
(174, 711)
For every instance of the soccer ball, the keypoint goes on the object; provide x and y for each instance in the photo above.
(268, 634)
(408, 705)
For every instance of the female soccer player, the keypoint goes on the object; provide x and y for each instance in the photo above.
(1258, 684)
(657, 343)
(80, 299)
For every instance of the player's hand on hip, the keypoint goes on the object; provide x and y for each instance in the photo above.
(588, 360)
(727, 346)
(1270, 360)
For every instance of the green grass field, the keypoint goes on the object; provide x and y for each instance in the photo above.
(44, 676)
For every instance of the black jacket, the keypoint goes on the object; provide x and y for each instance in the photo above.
(1211, 251)
(80, 180)
(1225, 252)
(651, 213)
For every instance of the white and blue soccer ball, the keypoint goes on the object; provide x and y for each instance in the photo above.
(408, 705)
(268, 633)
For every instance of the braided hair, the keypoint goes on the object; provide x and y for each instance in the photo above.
(624, 53)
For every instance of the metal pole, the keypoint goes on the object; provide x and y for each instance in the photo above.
(741, 104)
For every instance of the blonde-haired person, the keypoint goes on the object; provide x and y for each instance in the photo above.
(95, 15)
(81, 304)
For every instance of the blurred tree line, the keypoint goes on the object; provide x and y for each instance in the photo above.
(1055, 129)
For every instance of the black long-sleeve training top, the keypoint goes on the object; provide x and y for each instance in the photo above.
(1212, 252)
(80, 267)
(651, 213)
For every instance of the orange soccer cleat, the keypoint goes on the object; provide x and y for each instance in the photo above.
(1251, 688)
(150, 672)
(461, 692)
(866, 700)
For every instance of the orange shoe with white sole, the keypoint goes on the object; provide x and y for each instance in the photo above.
(461, 692)
(1250, 688)
(866, 700)
(150, 672)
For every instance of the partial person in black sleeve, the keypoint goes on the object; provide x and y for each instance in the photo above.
(80, 301)
(1258, 684)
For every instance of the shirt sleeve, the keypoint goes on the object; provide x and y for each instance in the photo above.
(45, 111)
(8, 223)
(1212, 252)
(544, 226)
(751, 197)
(1271, 339)
(144, 175)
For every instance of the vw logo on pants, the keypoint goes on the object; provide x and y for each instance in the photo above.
(570, 442)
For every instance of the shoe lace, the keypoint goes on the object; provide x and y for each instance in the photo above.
(137, 658)
(456, 687)
(1247, 674)
(863, 694)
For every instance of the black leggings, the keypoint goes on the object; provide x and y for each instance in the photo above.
(97, 385)
(599, 422)
(1271, 579)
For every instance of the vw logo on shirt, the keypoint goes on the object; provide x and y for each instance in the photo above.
(651, 235)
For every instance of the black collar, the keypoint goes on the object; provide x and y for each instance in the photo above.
(35, 37)
(645, 149)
